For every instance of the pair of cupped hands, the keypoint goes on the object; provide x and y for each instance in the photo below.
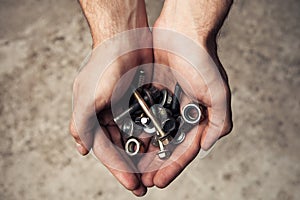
(198, 20)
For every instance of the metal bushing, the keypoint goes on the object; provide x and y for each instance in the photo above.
(133, 146)
(191, 113)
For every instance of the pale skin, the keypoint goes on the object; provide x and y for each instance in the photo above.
(109, 17)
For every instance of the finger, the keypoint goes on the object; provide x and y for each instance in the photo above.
(141, 191)
(148, 166)
(82, 147)
(169, 171)
(150, 162)
(218, 126)
(106, 152)
(148, 176)
(115, 136)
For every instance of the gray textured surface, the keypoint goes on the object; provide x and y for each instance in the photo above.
(42, 44)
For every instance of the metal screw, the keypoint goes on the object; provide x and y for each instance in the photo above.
(141, 76)
(163, 153)
(148, 112)
(133, 108)
(127, 112)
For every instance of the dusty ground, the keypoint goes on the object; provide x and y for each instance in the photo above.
(42, 43)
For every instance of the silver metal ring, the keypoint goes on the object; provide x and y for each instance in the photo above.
(132, 146)
(191, 113)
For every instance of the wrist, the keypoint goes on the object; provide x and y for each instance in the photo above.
(201, 17)
(107, 18)
(199, 20)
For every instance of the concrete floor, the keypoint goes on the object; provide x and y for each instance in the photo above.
(42, 43)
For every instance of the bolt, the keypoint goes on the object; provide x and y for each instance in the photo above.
(127, 112)
(163, 153)
(148, 112)
(141, 76)
(154, 141)
(133, 108)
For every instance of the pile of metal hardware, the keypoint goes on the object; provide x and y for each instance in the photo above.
(158, 114)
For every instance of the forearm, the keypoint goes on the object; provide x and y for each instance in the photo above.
(109, 17)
